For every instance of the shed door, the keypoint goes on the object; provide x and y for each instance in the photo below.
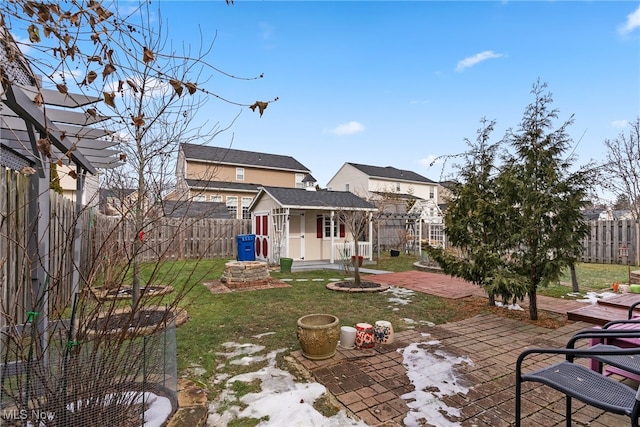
(261, 230)
(296, 235)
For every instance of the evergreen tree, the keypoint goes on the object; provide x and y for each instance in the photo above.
(543, 197)
(516, 221)
(474, 223)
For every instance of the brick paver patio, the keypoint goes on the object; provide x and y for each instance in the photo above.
(370, 383)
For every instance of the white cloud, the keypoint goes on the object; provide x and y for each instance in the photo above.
(347, 128)
(633, 22)
(470, 61)
(620, 123)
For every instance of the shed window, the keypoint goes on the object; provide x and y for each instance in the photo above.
(323, 227)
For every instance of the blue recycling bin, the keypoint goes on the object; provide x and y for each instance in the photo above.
(246, 247)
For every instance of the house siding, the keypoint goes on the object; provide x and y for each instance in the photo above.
(358, 181)
(420, 190)
(227, 173)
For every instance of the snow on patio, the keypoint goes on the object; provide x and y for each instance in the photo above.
(432, 373)
(283, 401)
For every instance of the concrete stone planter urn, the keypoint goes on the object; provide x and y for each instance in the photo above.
(318, 335)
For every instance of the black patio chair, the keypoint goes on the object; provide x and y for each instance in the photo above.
(582, 383)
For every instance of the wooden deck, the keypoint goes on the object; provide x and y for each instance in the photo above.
(606, 310)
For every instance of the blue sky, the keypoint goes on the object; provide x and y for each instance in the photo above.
(399, 83)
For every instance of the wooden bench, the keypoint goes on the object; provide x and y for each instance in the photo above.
(605, 310)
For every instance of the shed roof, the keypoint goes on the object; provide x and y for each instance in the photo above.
(304, 199)
(230, 156)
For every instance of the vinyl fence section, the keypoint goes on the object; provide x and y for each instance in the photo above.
(605, 240)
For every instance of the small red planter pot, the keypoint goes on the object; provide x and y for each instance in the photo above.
(353, 260)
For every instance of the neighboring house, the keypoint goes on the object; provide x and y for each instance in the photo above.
(196, 210)
(444, 192)
(69, 185)
(233, 177)
(117, 201)
(615, 214)
(405, 198)
(369, 181)
(591, 214)
(304, 224)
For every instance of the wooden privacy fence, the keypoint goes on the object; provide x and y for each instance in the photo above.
(103, 240)
(171, 238)
(605, 240)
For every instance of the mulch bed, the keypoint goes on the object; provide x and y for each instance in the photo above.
(349, 286)
(476, 305)
(217, 287)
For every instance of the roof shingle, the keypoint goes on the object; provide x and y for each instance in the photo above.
(389, 172)
(232, 156)
(295, 197)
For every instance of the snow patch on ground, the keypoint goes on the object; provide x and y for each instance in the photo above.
(400, 296)
(593, 297)
(280, 402)
(411, 324)
(509, 306)
(432, 373)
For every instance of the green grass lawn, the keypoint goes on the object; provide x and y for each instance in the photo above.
(243, 317)
(591, 277)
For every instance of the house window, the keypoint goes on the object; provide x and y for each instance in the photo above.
(232, 206)
(299, 178)
(199, 198)
(346, 187)
(432, 194)
(215, 198)
(323, 229)
(397, 186)
(246, 201)
(239, 174)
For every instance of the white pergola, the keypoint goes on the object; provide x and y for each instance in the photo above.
(39, 127)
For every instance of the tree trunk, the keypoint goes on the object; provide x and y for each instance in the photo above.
(356, 265)
(574, 278)
(533, 304)
(492, 299)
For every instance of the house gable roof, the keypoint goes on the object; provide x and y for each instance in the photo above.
(389, 172)
(192, 209)
(325, 199)
(229, 156)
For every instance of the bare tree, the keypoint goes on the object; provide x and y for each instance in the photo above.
(90, 360)
(621, 173)
(356, 223)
